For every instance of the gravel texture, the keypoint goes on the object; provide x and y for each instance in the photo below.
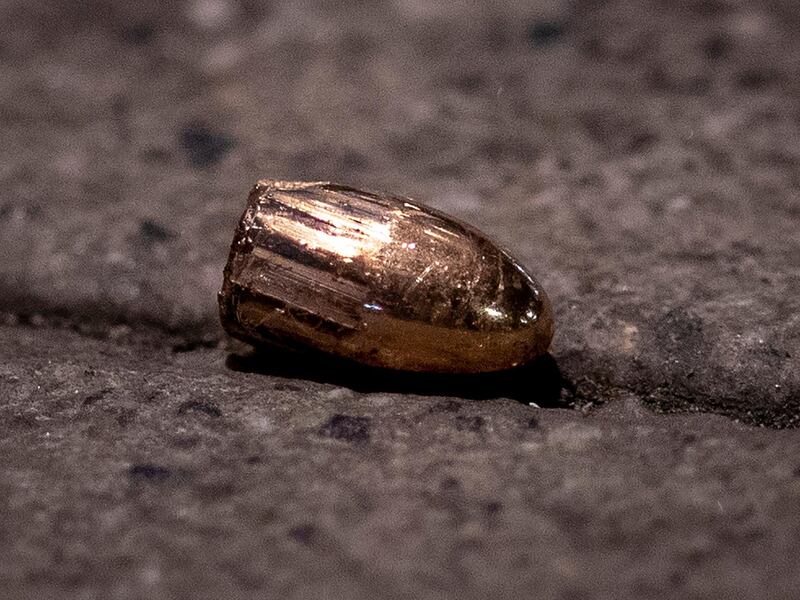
(642, 159)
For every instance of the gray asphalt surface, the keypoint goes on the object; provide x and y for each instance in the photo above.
(642, 159)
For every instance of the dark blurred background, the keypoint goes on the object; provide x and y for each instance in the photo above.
(642, 159)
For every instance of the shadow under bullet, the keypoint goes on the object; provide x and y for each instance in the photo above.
(539, 381)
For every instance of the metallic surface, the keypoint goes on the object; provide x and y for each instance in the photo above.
(380, 280)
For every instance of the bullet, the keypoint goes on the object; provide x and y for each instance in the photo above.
(378, 279)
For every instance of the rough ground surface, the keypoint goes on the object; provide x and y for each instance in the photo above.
(641, 158)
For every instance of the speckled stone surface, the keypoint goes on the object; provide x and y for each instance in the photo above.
(642, 159)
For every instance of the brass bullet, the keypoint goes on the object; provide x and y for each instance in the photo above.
(378, 279)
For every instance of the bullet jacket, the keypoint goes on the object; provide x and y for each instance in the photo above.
(378, 279)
